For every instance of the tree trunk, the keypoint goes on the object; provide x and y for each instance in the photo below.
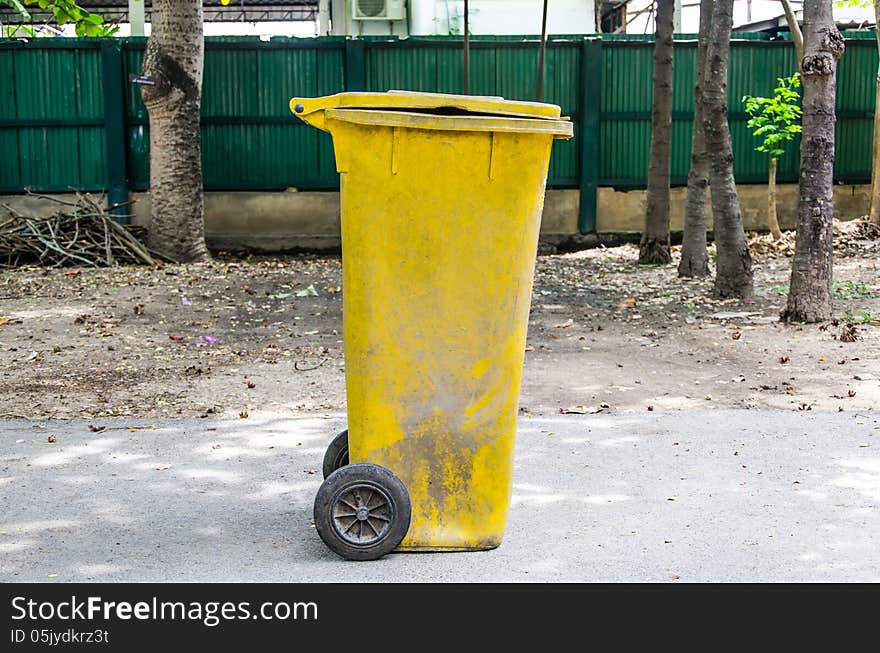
(875, 158)
(809, 297)
(797, 36)
(694, 257)
(772, 220)
(655, 237)
(173, 58)
(733, 277)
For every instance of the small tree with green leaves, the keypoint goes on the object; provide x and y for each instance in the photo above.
(65, 12)
(775, 120)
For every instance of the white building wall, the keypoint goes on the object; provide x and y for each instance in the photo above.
(744, 12)
(502, 17)
(487, 17)
(342, 23)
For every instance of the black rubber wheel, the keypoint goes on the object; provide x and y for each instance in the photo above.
(336, 455)
(362, 511)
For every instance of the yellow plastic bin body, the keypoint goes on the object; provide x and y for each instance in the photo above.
(441, 206)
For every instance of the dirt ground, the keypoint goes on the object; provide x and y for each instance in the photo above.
(239, 336)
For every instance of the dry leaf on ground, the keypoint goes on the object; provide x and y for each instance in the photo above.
(583, 410)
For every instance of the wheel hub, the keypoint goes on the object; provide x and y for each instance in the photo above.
(362, 514)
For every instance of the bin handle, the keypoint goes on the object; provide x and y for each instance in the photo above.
(311, 110)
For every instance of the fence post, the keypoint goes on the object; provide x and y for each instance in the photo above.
(355, 65)
(588, 139)
(114, 126)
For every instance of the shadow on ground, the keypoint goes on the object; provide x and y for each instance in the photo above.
(702, 496)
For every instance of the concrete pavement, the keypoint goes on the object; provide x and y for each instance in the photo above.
(692, 496)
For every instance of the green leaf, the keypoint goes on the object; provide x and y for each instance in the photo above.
(64, 12)
(774, 119)
(61, 16)
(20, 8)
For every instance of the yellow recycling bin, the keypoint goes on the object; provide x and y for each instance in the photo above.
(441, 206)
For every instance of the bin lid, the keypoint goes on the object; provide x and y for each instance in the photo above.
(417, 101)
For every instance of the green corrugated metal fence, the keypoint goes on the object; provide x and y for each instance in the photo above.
(52, 116)
(70, 117)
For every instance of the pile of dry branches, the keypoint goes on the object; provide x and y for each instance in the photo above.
(81, 232)
(766, 244)
(857, 229)
(848, 234)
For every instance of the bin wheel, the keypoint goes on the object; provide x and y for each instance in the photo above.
(336, 455)
(362, 511)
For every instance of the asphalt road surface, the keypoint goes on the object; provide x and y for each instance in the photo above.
(720, 495)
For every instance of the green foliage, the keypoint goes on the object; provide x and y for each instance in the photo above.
(777, 290)
(65, 12)
(862, 4)
(20, 8)
(12, 31)
(776, 119)
(865, 316)
(852, 290)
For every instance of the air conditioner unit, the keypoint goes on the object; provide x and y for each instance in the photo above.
(378, 9)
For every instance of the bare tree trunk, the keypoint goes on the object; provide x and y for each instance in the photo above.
(733, 277)
(809, 297)
(875, 158)
(694, 257)
(797, 36)
(655, 236)
(772, 219)
(174, 56)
